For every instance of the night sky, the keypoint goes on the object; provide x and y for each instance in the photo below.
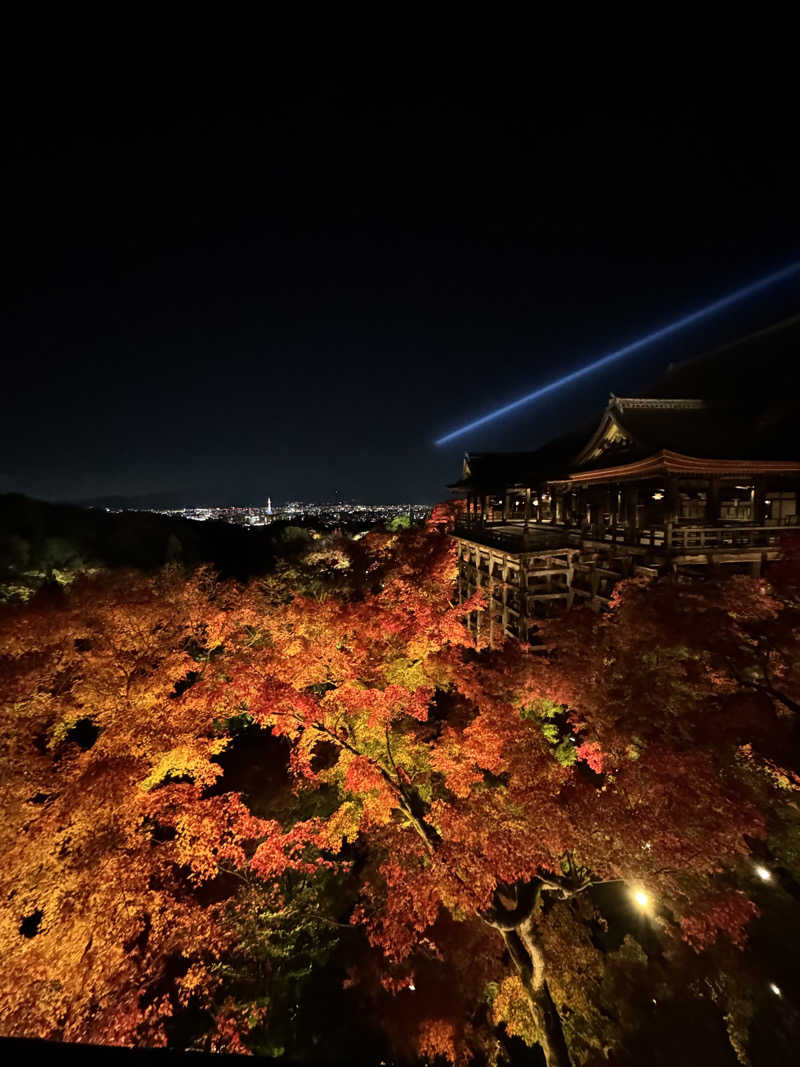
(294, 290)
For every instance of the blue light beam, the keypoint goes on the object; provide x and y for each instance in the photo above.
(656, 335)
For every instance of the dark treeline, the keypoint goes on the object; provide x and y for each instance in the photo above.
(38, 539)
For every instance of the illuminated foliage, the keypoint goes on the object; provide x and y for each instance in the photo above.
(106, 826)
(500, 786)
(489, 805)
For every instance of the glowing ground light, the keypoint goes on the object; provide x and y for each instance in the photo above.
(627, 350)
(762, 872)
(775, 989)
(642, 899)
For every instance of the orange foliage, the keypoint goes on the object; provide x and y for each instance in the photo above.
(462, 773)
(100, 935)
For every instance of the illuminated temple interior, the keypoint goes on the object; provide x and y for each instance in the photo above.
(701, 475)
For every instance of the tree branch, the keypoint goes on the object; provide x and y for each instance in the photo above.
(506, 919)
(768, 689)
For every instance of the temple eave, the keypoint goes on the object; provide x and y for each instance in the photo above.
(668, 462)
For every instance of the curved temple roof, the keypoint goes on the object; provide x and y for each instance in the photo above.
(746, 407)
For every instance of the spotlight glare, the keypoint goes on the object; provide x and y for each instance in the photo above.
(763, 873)
(642, 899)
(626, 350)
(775, 989)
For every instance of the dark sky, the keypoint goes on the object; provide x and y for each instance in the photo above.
(294, 290)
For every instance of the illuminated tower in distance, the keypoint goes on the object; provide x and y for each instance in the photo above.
(269, 505)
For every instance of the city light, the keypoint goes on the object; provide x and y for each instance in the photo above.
(629, 349)
(326, 513)
(762, 872)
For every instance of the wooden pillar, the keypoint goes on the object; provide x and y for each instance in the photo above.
(506, 506)
(490, 599)
(481, 585)
(559, 509)
(522, 579)
(527, 514)
(569, 509)
(479, 615)
(713, 502)
(631, 505)
(759, 507)
(673, 500)
(505, 595)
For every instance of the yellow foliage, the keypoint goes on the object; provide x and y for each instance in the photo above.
(512, 1007)
(186, 762)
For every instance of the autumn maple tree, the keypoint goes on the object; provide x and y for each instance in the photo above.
(108, 824)
(497, 787)
(481, 799)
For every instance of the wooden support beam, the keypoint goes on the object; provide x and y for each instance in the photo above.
(632, 494)
(490, 606)
(759, 509)
(713, 510)
(505, 595)
(673, 501)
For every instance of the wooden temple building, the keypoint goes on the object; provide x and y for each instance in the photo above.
(703, 472)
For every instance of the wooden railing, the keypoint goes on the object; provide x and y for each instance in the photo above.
(688, 537)
(511, 535)
(670, 537)
(677, 538)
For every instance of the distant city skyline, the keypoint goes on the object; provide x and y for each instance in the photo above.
(262, 515)
(182, 501)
